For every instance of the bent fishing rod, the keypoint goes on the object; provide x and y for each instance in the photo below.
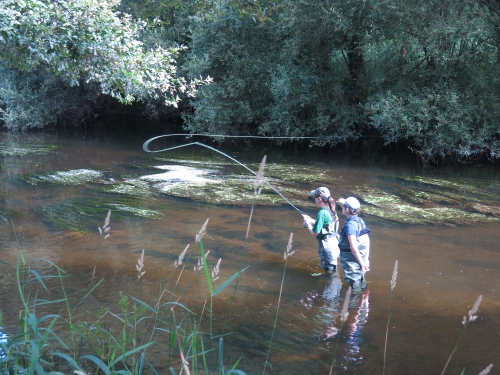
(145, 147)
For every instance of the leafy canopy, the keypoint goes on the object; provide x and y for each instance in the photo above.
(87, 40)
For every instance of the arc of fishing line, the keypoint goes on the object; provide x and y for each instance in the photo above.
(145, 147)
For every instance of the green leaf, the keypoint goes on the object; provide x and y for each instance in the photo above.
(51, 263)
(144, 304)
(98, 362)
(70, 360)
(39, 278)
(90, 291)
(40, 302)
(228, 281)
(130, 352)
(234, 371)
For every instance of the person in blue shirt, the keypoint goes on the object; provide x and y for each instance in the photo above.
(354, 244)
(324, 228)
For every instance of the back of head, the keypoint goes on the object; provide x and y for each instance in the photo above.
(351, 203)
(321, 192)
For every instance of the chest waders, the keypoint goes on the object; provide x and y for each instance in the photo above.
(353, 275)
(328, 246)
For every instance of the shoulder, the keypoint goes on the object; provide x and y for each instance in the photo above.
(326, 213)
(322, 212)
(351, 226)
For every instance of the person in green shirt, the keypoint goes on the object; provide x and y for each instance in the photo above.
(324, 228)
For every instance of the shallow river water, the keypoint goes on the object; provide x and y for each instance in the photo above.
(440, 225)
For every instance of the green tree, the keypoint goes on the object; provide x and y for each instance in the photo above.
(85, 40)
(438, 82)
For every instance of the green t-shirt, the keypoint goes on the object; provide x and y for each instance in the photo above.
(323, 218)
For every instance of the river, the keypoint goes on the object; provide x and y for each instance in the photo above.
(441, 225)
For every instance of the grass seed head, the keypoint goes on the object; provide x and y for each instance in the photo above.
(474, 309)
(179, 260)
(216, 270)
(201, 233)
(486, 370)
(259, 180)
(394, 275)
(289, 252)
(201, 261)
(140, 265)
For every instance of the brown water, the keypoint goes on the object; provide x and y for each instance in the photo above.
(442, 268)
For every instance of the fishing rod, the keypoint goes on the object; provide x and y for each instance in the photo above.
(145, 147)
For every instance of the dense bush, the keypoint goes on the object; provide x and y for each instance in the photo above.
(439, 121)
(411, 72)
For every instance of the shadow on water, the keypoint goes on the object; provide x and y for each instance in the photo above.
(445, 261)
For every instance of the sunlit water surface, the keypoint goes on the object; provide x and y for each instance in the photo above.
(442, 268)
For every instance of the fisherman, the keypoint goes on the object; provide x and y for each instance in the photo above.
(354, 244)
(324, 228)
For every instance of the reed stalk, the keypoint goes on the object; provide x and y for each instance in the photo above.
(393, 285)
(288, 253)
(258, 184)
(103, 232)
(466, 321)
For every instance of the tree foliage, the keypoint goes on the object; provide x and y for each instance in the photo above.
(423, 74)
(85, 40)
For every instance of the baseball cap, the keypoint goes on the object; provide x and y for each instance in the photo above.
(351, 203)
(322, 192)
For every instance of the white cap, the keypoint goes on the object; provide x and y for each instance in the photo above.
(351, 203)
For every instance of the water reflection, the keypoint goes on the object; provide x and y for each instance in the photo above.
(3, 341)
(354, 332)
(331, 301)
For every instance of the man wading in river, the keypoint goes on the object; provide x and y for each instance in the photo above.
(324, 229)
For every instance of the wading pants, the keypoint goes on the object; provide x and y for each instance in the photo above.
(328, 250)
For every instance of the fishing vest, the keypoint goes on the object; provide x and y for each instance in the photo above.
(362, 232)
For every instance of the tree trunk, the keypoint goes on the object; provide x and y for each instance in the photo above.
(356, 66)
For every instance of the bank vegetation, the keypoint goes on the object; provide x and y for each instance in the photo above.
(358, 75)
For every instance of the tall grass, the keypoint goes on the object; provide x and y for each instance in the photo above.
(258, 184)
(103, 232)
(466, 321)
(288, 253)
